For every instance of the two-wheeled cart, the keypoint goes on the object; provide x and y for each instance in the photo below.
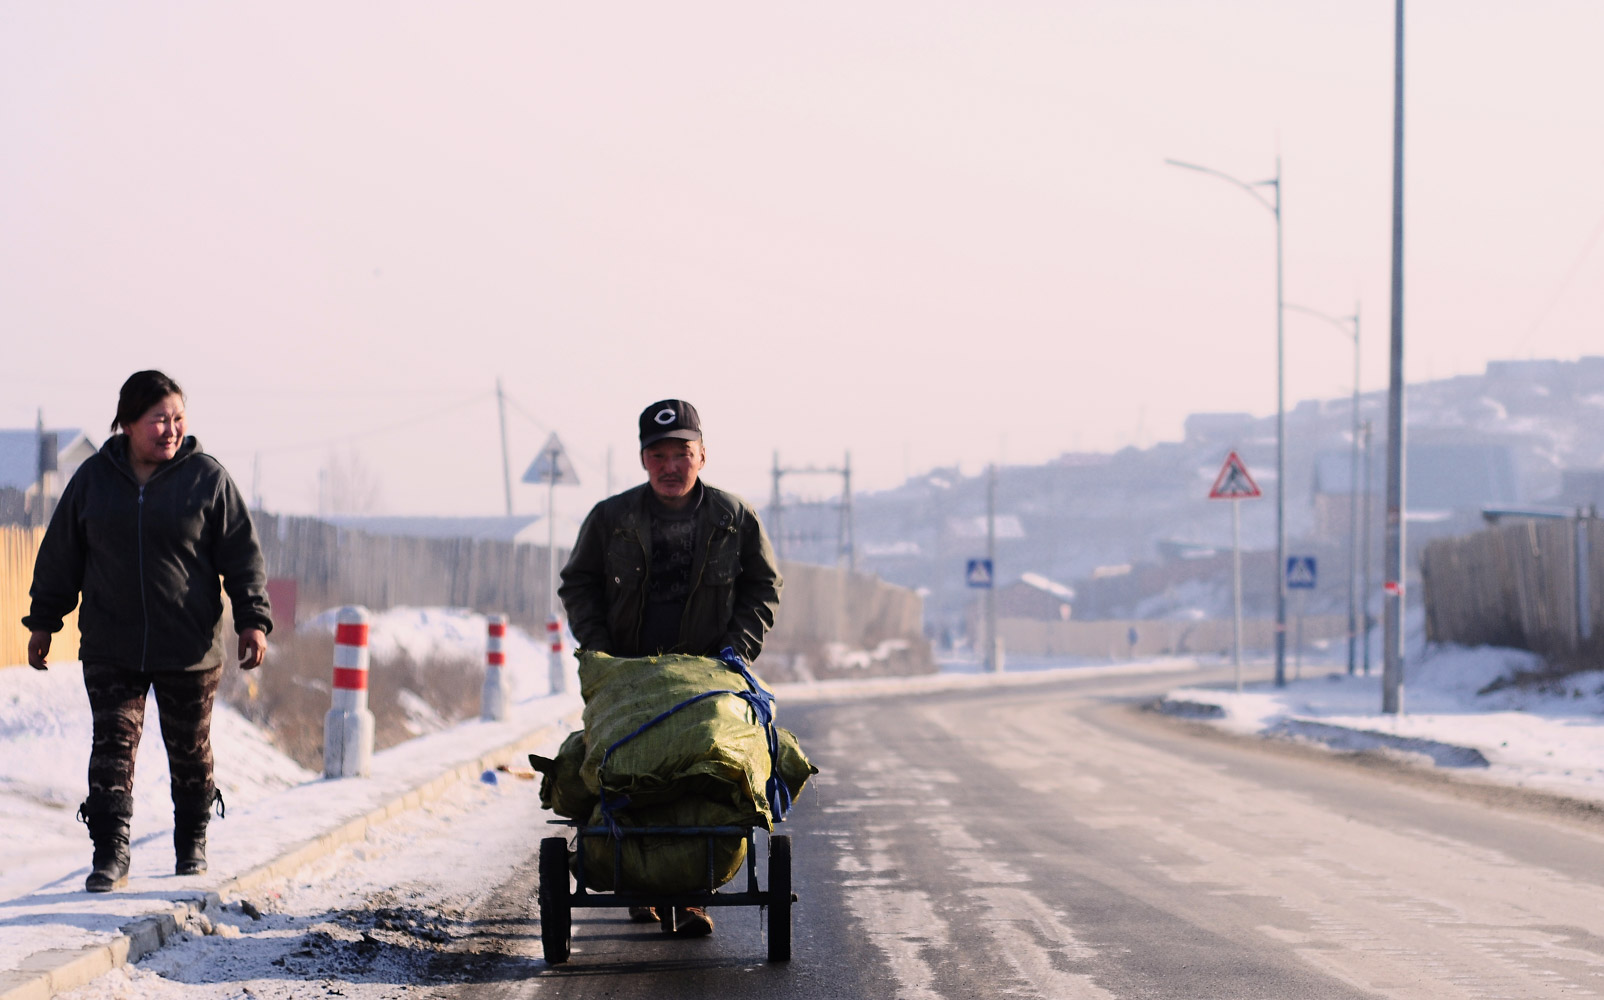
(557, 902)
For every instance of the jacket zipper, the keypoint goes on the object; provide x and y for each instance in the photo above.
(701, 571)
(144, 609)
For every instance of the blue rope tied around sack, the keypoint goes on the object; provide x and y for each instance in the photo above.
(762, 703)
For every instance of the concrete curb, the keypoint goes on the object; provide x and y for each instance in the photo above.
(45, 973)
(1347, 738)
(1341, 738)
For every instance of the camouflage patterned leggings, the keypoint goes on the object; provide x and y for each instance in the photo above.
(184, 706)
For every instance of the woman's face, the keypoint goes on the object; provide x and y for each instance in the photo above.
(156, 436)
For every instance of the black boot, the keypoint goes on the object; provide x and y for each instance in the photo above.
(190, 816)
(107, 816)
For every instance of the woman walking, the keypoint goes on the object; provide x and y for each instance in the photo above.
(143, 532)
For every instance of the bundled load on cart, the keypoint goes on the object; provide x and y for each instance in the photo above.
(671, 741)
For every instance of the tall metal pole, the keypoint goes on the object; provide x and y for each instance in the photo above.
(848, 545)
(1366, 547)
(1280, 409)
(776, 531)
(1353, 511)
(1236, 587)
(1392, 669)
(992, 663)
(41, 516)
(551, 541)
(1342, 323)
(506, 467)
(1280, 453)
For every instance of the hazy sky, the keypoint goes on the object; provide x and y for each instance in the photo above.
(925, 232)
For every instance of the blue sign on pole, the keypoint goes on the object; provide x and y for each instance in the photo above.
(1301, 572)
(978, 574)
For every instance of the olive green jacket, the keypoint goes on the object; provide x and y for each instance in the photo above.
(735, 580)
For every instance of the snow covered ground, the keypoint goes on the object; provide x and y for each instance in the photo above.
(274, 806)
(382, 893)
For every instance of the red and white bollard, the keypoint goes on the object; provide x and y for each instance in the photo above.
(555, 672)
(493, 703)
(348, 728)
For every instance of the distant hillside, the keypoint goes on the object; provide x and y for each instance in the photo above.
(1505, 436)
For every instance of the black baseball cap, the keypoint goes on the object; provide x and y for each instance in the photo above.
(669, 418)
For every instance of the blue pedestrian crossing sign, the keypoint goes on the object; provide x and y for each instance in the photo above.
(1301, 572)
(978, 574)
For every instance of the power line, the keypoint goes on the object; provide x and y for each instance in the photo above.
(1565, 282)
(375, 431)
(589, 463)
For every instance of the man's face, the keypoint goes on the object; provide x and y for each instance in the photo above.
(672, 466)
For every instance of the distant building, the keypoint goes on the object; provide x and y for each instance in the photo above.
(1445, 482)
(19, 470)
(1032, 596)
(1008, 527)
(1580, 488)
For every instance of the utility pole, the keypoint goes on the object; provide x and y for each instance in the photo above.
(1366, 546)
(993, 664)
(846, 543)
(845, 536)
(609, 470)
(1392, 668)
(776, 534)
(1353, 508)
(506, 467)
(40, 514)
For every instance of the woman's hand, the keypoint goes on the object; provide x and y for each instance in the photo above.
(38, 649)
(252, 648)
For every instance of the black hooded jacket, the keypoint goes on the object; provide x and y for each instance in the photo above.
(147, 560)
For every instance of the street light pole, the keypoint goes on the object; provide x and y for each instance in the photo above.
(1280, 407)
(1392, 662)
(1341, 323)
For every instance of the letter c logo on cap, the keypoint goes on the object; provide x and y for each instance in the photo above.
(665, 416)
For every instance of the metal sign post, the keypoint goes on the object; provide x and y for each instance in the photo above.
(1235, 484)
(553, 466)
(1302, 574)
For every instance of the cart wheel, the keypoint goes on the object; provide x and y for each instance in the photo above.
(779, 898)
(556, 915)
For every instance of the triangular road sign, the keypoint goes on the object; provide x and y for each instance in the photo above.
(1233, 482)
(552, 465)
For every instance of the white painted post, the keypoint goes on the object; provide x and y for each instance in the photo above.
(493, 703)
(554, 671)
(348, 728)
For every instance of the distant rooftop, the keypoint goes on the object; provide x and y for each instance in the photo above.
(19, 453)
(1440, 476)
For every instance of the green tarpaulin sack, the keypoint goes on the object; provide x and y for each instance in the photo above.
(672, 741)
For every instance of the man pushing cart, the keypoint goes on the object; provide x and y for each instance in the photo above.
(670, 590)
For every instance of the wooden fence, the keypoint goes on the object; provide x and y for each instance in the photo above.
(823, 611)
(18, 546)
(335, 566)
(1535, 584)
(835, 623)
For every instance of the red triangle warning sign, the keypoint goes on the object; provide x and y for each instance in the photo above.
(1233, 482)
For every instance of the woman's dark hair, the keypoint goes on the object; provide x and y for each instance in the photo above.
(142, 391)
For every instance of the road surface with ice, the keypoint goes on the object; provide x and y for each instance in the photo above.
(1036, 841)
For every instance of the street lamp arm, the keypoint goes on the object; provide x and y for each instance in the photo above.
(1251, 189)
(1349, 325)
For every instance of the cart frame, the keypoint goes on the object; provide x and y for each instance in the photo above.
(557, 902)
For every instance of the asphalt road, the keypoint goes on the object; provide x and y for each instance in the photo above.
(1056, 842)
